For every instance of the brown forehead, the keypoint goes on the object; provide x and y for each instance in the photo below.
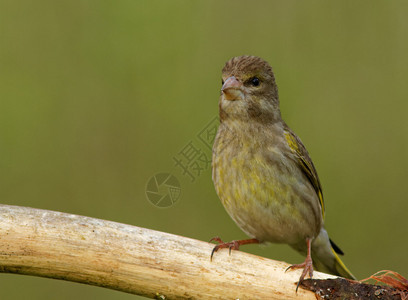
(247, 65)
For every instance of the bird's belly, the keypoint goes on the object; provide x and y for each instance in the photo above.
(267, 201)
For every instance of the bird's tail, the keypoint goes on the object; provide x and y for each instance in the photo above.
(325, 255)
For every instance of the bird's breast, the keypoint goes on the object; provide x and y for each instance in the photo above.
(261, 187)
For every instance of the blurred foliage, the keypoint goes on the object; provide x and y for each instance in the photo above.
(98, 96)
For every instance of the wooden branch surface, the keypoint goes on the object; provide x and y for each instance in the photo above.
(136, 260)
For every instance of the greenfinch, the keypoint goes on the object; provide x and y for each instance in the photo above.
(263, 173)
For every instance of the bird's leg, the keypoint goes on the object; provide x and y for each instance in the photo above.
(307, 265)
(233, 245)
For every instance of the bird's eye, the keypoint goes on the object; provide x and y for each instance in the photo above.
(222, 81)
(255, 81)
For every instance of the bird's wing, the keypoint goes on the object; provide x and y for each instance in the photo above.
(305, 163)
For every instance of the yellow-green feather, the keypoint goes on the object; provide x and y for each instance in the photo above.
(305, 163)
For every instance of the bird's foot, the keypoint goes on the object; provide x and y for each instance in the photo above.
(233, 245)
(307, 266)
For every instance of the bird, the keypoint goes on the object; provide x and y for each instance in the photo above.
(263, 173)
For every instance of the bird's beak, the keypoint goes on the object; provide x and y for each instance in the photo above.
(232, 89)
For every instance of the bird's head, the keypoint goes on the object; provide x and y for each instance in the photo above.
(249, 91)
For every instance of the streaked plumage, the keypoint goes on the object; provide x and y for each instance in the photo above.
(262, 172)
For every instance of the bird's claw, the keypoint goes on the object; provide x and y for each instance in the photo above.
(233, 245)
(307, 266)
(216, 239)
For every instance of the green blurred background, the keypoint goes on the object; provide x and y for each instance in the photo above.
(98, 96)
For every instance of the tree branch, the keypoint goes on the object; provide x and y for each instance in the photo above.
(136, 260)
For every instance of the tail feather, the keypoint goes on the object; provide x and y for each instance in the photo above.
(334, 266)
(342, 269)
(325, 256)
(336, 248)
